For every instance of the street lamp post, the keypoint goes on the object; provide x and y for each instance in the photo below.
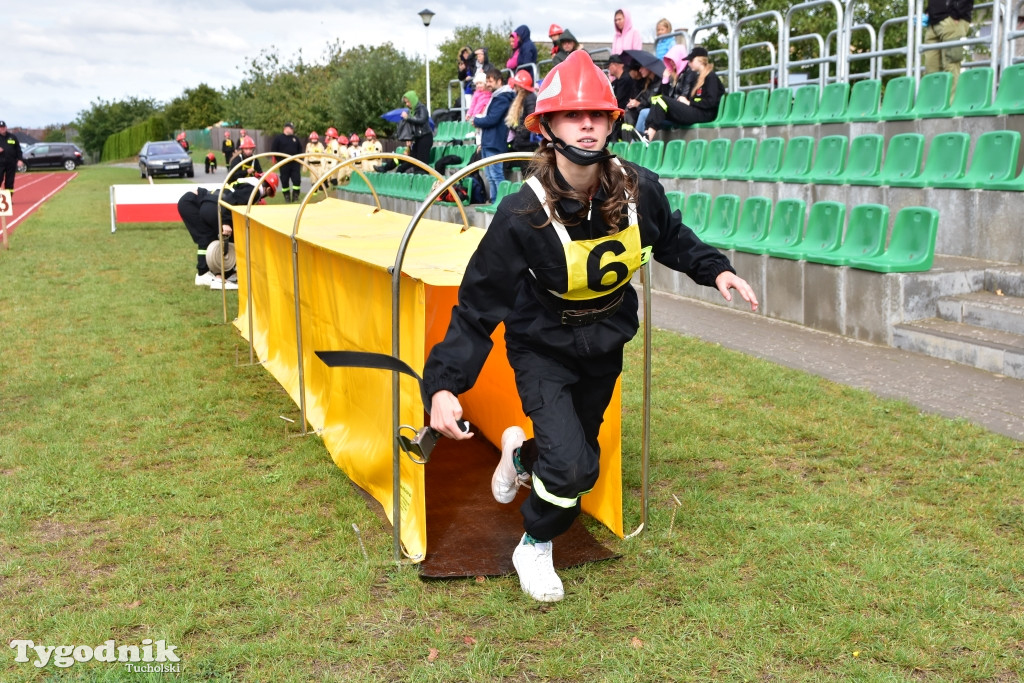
(426, 15)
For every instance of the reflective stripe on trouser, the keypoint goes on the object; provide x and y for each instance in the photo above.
(565, 400)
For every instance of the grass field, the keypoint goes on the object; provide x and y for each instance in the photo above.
(800, 530)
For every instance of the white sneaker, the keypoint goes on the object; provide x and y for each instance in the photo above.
(506, 480)
(205, 279)
(536, 571)
(218, 283)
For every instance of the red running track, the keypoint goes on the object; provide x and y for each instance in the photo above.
(31, 190)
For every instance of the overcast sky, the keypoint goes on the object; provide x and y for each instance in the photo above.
(59, 56)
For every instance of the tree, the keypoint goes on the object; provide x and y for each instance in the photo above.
(819, 20)
(372, 81)
(197, 107)
(103, 119)
(446, 68)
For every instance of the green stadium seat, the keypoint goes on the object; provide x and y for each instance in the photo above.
(933, 95)
(994, 161)
(865, 236)
(947, 161)
(973, 96)
(696, 212)
(834, 99)
(357, 184)
(897, 100)
(1012, 185)
(865, 97)
(754, 108)
(786, 229)
(902, 160)
(865, 160)
(769, 159)
(619, 148)
(753, 225)
(780, 102)
(824, 232)
(651, 158)
(829, 160)
(797, 161)
(504, 189)
(1010, 95)
(805, 104)
(741, 161)
(693, 160)
(911, 247)
(635, 152)
(725, 213)
(716, 158)
(673, 158)
(676, 200)
(729, 111)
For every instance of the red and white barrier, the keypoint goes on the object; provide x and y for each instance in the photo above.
(149, 203)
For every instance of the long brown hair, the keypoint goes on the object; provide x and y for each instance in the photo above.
(704, 73)
(621, 188)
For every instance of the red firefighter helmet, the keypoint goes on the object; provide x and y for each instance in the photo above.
(555, 30)
(241, 133)
(370, 133)
(523, 79)
(181, 136)
(272, 181)
(247, 143)
(227, 133)
(577, 84)
(354, 140)
(314, 137)
(331, 132)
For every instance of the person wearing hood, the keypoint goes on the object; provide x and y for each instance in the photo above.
(698, 105)
(523, 49)
(627, 37)
(483, 60)
(419, 122)
(467, 67)
(493, 129)
(567, 44)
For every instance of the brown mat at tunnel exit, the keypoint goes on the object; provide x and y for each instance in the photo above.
(471, 534)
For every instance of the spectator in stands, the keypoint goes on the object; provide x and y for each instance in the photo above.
(493, 129)
(947, 20)
(284, 145)
(419, 122)
(483, 61)
(700, 106)
(567, 44)
(565, 327)
(466, 67)
(204, 218)
(241, 164)
(627, 37)
(524, 52)
(520, 137)
(10, 157)
(663, 41)
(649, 86)
(481, 96)
(227, 148)
(624, 87)
(555, 34)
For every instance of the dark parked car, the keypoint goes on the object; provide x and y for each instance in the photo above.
(165, 158)
(57, 154)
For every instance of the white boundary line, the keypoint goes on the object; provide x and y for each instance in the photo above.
(30, 209)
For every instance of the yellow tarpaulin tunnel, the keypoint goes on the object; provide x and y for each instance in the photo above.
(344, 253)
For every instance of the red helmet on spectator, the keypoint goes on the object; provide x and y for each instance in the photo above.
(577, 84)
(555, 30)
(523, 79)
(247, 143)
(354, 140)
(331, 132)
(272, 181)
(314, 137)
(370, 133)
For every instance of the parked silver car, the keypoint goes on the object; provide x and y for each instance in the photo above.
(165, 158)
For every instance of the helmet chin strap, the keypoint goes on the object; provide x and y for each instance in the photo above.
(577, 155)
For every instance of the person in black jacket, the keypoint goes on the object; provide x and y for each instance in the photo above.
(700, 106)
(623, 85)
(286, 144)
(419, 123)
(204, 218)
(10, 157)
(947, 20)
(555, 267)
(227, 148)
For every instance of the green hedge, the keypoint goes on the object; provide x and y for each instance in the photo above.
(129, 141)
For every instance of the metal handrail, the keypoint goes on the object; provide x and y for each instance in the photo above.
(784, 48)
(775, 49)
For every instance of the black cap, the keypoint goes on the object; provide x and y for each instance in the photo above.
(289, 124)
(615, 59)
(697, 52)
(3, 124)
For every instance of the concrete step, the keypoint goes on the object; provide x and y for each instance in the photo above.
(987, 349)
(984, 309)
